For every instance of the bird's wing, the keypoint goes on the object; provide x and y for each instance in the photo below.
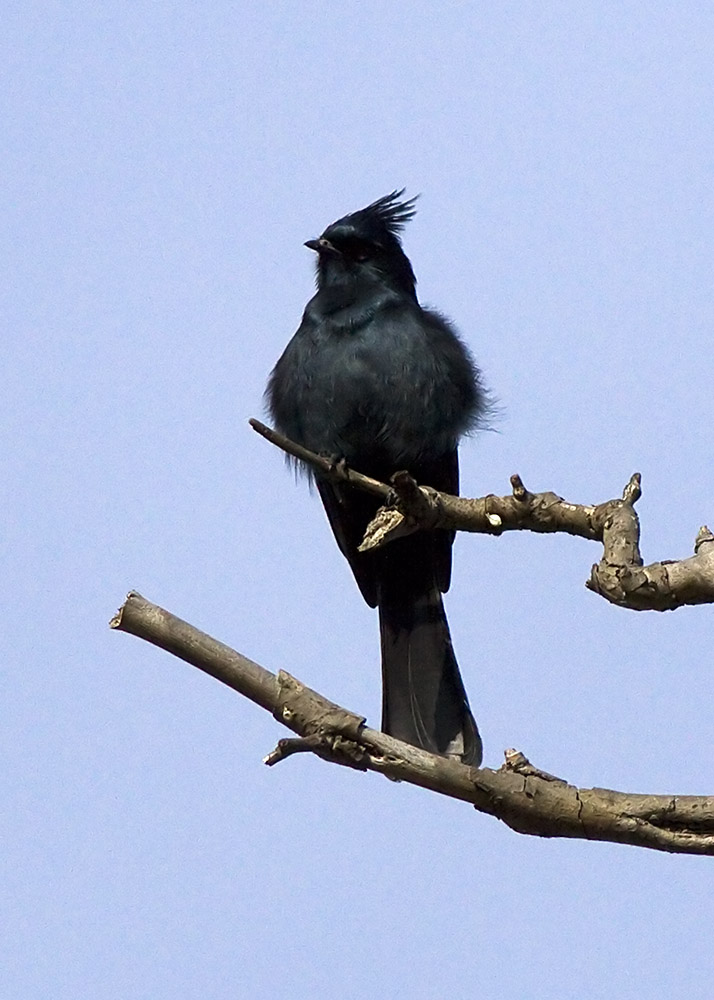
(349, 512)
(443, 475)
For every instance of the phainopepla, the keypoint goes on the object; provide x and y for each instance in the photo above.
(373, 378)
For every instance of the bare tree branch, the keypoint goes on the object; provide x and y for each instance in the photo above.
(325, 466)
(620, 576)
(527, 799)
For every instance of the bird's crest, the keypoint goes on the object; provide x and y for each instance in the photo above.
(384, 218)
(391, 212)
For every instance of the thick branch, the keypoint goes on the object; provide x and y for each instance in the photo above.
(525, 798)
(619, 577)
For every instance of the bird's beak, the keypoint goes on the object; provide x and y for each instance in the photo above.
(322, 246)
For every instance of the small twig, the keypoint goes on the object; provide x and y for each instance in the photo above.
(517, 762)
(327, 467)
(287, 747)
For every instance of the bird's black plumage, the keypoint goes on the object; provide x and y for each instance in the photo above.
(375, 379)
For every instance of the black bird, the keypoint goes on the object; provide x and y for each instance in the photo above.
(373, 378)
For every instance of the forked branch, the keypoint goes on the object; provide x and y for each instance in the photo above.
(620, 576)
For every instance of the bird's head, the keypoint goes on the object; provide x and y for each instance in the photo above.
(366, 244)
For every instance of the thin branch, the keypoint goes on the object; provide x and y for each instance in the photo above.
(528, 800)
(620, 576)
(327, 467)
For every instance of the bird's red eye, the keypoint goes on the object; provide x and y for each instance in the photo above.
(356, 249)
(362, 251)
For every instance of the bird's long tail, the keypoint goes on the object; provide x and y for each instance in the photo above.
(424, 701)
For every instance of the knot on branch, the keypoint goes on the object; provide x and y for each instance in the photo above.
(633, 587)
(704, 540)
(517, 763)
(326, 729)
(409, 508)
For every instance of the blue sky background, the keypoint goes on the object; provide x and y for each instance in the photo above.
(162, 165)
